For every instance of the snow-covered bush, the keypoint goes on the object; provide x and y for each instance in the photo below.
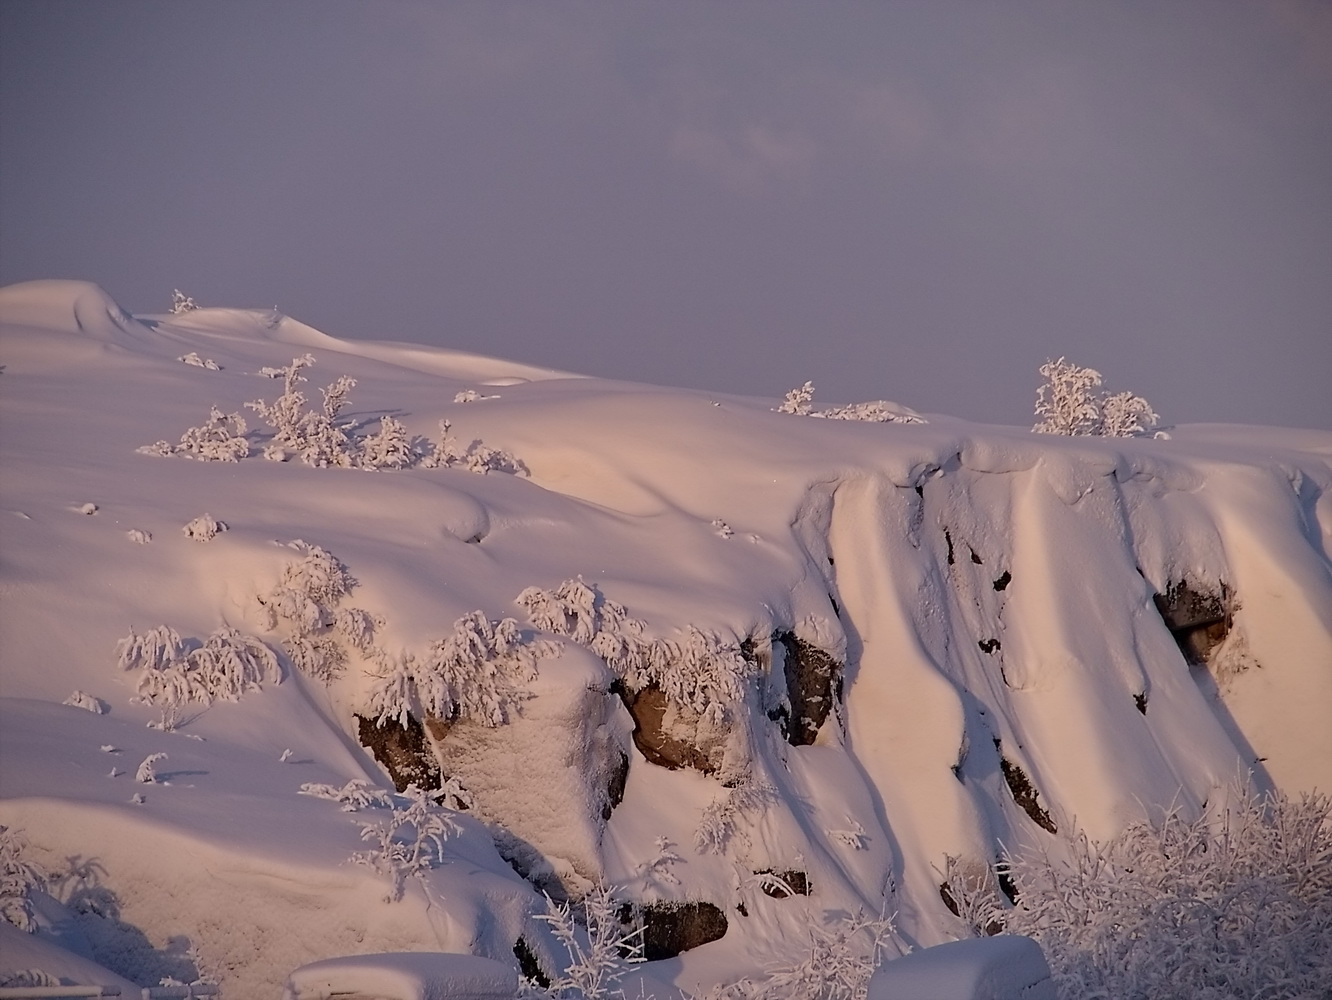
(85, 701)
(313, 434)
(389, 448)
(355, 795)
(1067, 404)
(139, 536)
(172, 673)
(657, 870)
(696, 669)
(193, 359)
(181, 303)
(1235, 903)
(221, 439)
(204, 528)
(304, 602)
(800, 402)
(19, 877)
(601, 948)
(409, 843)
(480, 671)
(477, 457)
(147, 772)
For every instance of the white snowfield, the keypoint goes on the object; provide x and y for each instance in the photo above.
(1002, 674)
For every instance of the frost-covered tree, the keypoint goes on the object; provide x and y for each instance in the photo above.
(1066, 403)
(314, 434)
(1126, 415)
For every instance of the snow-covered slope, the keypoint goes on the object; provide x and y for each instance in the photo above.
(947, 637)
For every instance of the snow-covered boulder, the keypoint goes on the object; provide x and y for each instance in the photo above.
(1007, 967)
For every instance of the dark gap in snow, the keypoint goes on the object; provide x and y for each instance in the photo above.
(837, 608)
(1141, 701)
(615, 789)
(988, 645)
(948, 540)
(1024, 793)
(812, 680)
(1199, 618)
(975, 558)
(401, 751)
(1006, 884)
(1005, 578)
(528, 964)
(797, 882)
(671, 928)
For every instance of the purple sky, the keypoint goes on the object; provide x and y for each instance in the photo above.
(919, 201)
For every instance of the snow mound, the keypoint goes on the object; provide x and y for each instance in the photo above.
(405, 976)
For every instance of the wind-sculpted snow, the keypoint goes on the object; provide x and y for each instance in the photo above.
(1023, 639)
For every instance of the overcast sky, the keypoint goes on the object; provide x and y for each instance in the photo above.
(919, 201)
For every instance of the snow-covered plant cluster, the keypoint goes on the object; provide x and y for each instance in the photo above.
(355, 795)
(480, 458)
(204, 528)
(85, 701)
(800, 402)
(193, 359)
(1068, 404)
(220, 439)
(172, 673)
(409, 843)
(1235, 903)
(147, 772)
(305, 604)
(480, 671)
(601, 948)
(696, 669)
(838, 965)
(19, 878)
(658, 870)
(181, 303)
(313, 434)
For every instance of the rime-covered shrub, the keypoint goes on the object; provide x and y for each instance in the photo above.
(446, 453)
(800, 402)
(181, 303)
(195, 361)
(220, 439)
(172, 673)
(480, 671)
(204, 528)
(409, 843)
(19, 877)
(600, 946)
(314, 434)
(1236, 903)
(85, 701)
(304, 603)
(721, 819)
(389, 448)
(696, 669)
(1067, 404)
(355, 795)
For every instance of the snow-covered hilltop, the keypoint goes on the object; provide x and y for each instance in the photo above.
(756, 671)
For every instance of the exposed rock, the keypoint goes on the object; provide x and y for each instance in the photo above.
(1024, 793)
(670, 928)
(671, 735)
(1198, 618)
(813, 681)
(402, 751)
(528, 964)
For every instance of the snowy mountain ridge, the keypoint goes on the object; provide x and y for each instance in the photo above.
(916, 643)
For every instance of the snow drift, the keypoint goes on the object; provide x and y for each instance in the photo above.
(775, 669)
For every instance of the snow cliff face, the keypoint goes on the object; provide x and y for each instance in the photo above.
(943, 638)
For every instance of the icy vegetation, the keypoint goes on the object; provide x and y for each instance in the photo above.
(586, 672)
